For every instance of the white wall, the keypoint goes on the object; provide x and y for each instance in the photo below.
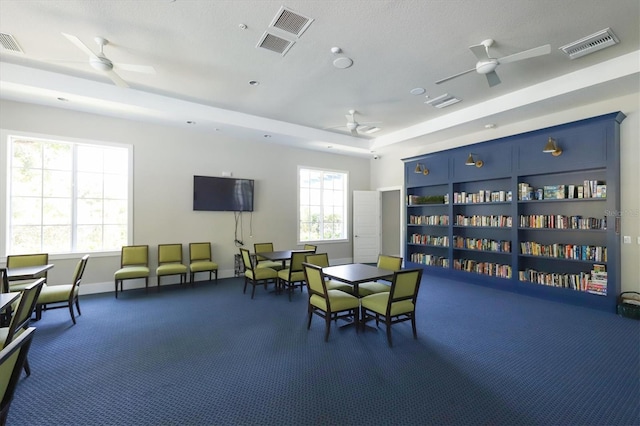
(389, 171)
(165, 160)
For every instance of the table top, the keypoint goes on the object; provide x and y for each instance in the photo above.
(27, 272)
(8, 298)
(281, 254)
(355, 273)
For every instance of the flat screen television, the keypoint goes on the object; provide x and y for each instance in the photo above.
(222, 194)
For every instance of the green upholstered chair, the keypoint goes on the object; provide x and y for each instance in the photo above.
(328, 304)
(170, 262)
(322, 260)
(310, 247)
(22, 260)
(392, 263)
(261, 262)
(12, 359)
(22, 316)
(134, 264)
(396, 305)
(63, 296)
(256, 276)
(293, 276)
(200, 260)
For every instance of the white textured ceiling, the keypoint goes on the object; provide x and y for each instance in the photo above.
(204, 61)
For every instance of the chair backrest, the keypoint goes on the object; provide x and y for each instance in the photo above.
(199, 251)
(405, 286)
(297, 259)
(310, 247)
(20, 260)
(315, 280)
(246, 259)
(392, 263)
(12, 359)
(169, 253)
(5, 280)
(79, 271)
(318, 259)
(134, 256)
(26, 305)
(261, 248)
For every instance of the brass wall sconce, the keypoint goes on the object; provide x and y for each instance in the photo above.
(420, 168)
(472, 162)
(552, 148)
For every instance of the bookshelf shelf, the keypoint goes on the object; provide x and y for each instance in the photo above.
(566, 199)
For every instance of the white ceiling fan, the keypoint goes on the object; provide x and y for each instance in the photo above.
(487, 64)
(357, 128)
(101, 63)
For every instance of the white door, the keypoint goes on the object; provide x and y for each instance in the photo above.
(366, 226)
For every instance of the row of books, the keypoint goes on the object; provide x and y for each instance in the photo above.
(477, 220)
(429, 259)
(558, 221)
(588, 189)
(484, 268)
(482, 196)
(583, 281)
(481, 244)
(565, 251)
(597, 283)
(432, 240)
(429, 220)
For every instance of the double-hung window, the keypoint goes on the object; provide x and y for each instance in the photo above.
(322, 198)
(66, 197)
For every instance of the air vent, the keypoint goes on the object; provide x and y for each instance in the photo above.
(275, 43)
(593, 43)
(9, 43)
(443, 101)
(291, 22)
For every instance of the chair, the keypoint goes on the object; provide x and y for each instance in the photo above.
(396, 305)
(264, 262)
(134, 264)
(200, 260)
(170, 262)
(392, 263)
(310, 247)
(62, 296)
(12, 359)
(293, 276)
(322, 260)
(22, 260)
(254, 275)
(328, 304)
(22, 316)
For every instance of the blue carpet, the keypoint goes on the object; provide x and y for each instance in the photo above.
(210, 355)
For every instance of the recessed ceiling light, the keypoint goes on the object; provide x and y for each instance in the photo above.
(254, 83)
(417, 91)
(343, 62)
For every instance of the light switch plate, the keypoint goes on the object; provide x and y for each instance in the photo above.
(626, 239)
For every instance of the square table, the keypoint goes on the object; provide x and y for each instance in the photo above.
(356, 273)
(26, 273)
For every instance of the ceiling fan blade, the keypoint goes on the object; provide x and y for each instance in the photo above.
(492, 78)
(146, 69)
(116, 79)
(75, 40)
(480, 51)
(531, 53)
(455, 75)
(354, 131)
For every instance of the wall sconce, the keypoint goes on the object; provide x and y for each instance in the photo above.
(471, 162)
(552, 148)
(420, 168)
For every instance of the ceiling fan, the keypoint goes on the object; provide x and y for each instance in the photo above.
(487, 64)
(356, 128)
(100, 62)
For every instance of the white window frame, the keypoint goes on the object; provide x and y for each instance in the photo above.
(345, 201)
(5, 156)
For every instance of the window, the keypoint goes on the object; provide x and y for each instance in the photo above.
(66, 197)
(322, 205)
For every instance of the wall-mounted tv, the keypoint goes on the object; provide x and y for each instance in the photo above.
(222, 194)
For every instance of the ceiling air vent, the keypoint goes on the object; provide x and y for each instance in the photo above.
(275, 43)
(291, 22)
(590, 44)
(9, 43)
(442, 101)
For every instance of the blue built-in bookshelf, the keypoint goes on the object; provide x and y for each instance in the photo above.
(517, 218)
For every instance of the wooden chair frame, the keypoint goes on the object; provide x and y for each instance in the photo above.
(249, 266)
(73, 293)
(13, 357)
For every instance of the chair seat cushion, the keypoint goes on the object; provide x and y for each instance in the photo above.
(340, 301)
(269, 264)
(55, 293)
(372, 287)
(131, 272)
(261, 274)
(337, 285)
(171, 269)
(203, 265)
(378, 303)
(295, 276)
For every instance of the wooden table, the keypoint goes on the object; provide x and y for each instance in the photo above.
(26, 273)
(282, 255)
(357, 273)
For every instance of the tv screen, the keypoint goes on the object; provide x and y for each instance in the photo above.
(222, 194)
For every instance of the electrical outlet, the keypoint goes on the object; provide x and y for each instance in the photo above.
(626, 239)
